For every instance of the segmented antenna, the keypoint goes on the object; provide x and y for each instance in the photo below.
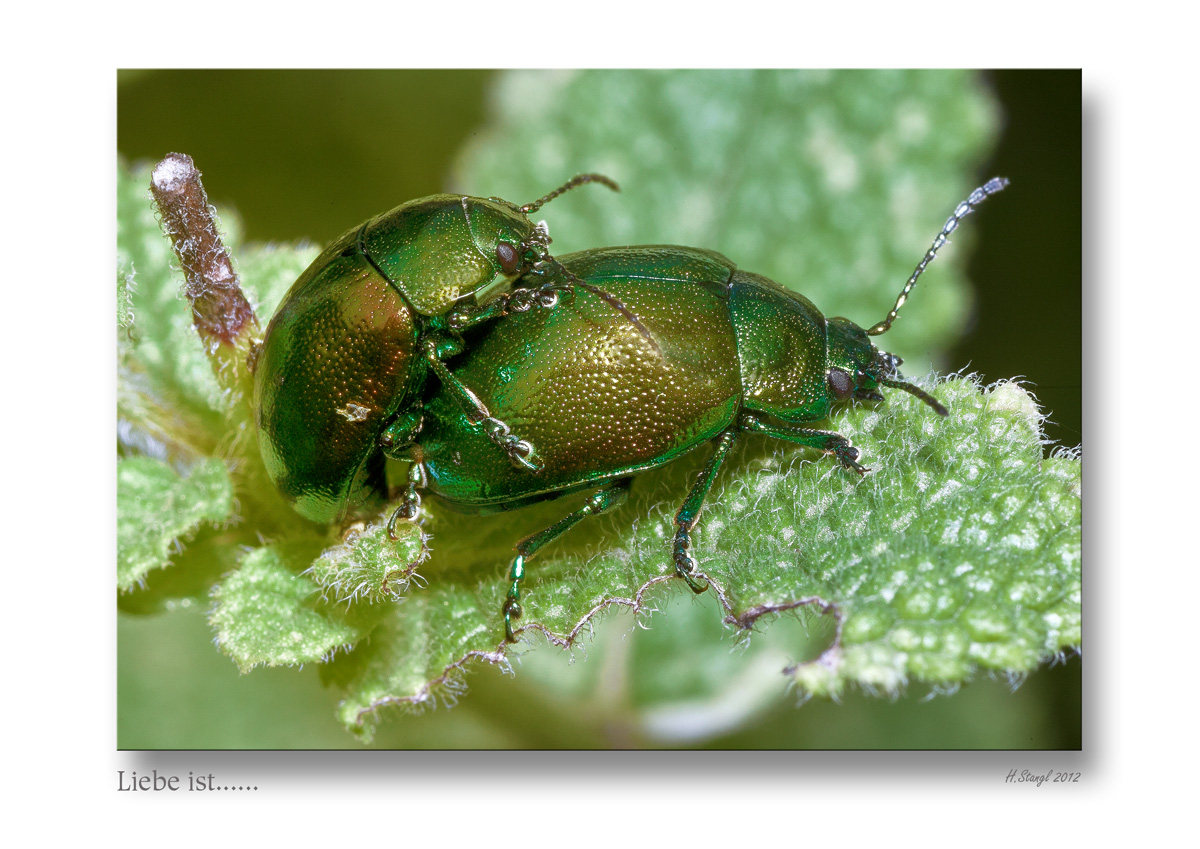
(960, 212)
(917, 392)
(609, 298)
(574, 182)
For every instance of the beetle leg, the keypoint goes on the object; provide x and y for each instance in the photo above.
(523, 299)
(411, 505)
(822, 440)
(545, 296)
(689, 513)
(469, 317)
(519, 451)
(611, 496)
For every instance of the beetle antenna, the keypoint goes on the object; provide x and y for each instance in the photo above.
(610, 299)
(606, 296)
(574, 182)
(960, 212)
(917, 392)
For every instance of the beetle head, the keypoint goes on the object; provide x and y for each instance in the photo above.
(504, 235)
(857, 368)
(439, 250)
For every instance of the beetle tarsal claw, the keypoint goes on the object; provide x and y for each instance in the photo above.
(685, 565)
(512, 612)
(545, 296)
(848, 456)
(408, 510)
(525, 299)
(522, 454)
(695, 581)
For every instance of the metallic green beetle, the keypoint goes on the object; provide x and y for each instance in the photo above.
(354, 339)
(727, 352)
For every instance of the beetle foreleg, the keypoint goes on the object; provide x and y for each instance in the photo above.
(613, 495)
(823, 440)
(523, 299)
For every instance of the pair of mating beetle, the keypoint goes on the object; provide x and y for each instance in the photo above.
(592, 367)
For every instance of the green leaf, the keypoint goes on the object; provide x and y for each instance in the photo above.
(370, 565)
(158, 509)
(265, 613)
(958, 555)
(172, 414)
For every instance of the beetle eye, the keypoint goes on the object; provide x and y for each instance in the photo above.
(840, 384)
(508, 257)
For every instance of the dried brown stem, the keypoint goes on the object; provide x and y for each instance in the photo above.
(220, 311)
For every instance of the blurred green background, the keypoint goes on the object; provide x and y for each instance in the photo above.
(306, 154)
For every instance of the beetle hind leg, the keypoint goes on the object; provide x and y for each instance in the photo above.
(611, 496)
